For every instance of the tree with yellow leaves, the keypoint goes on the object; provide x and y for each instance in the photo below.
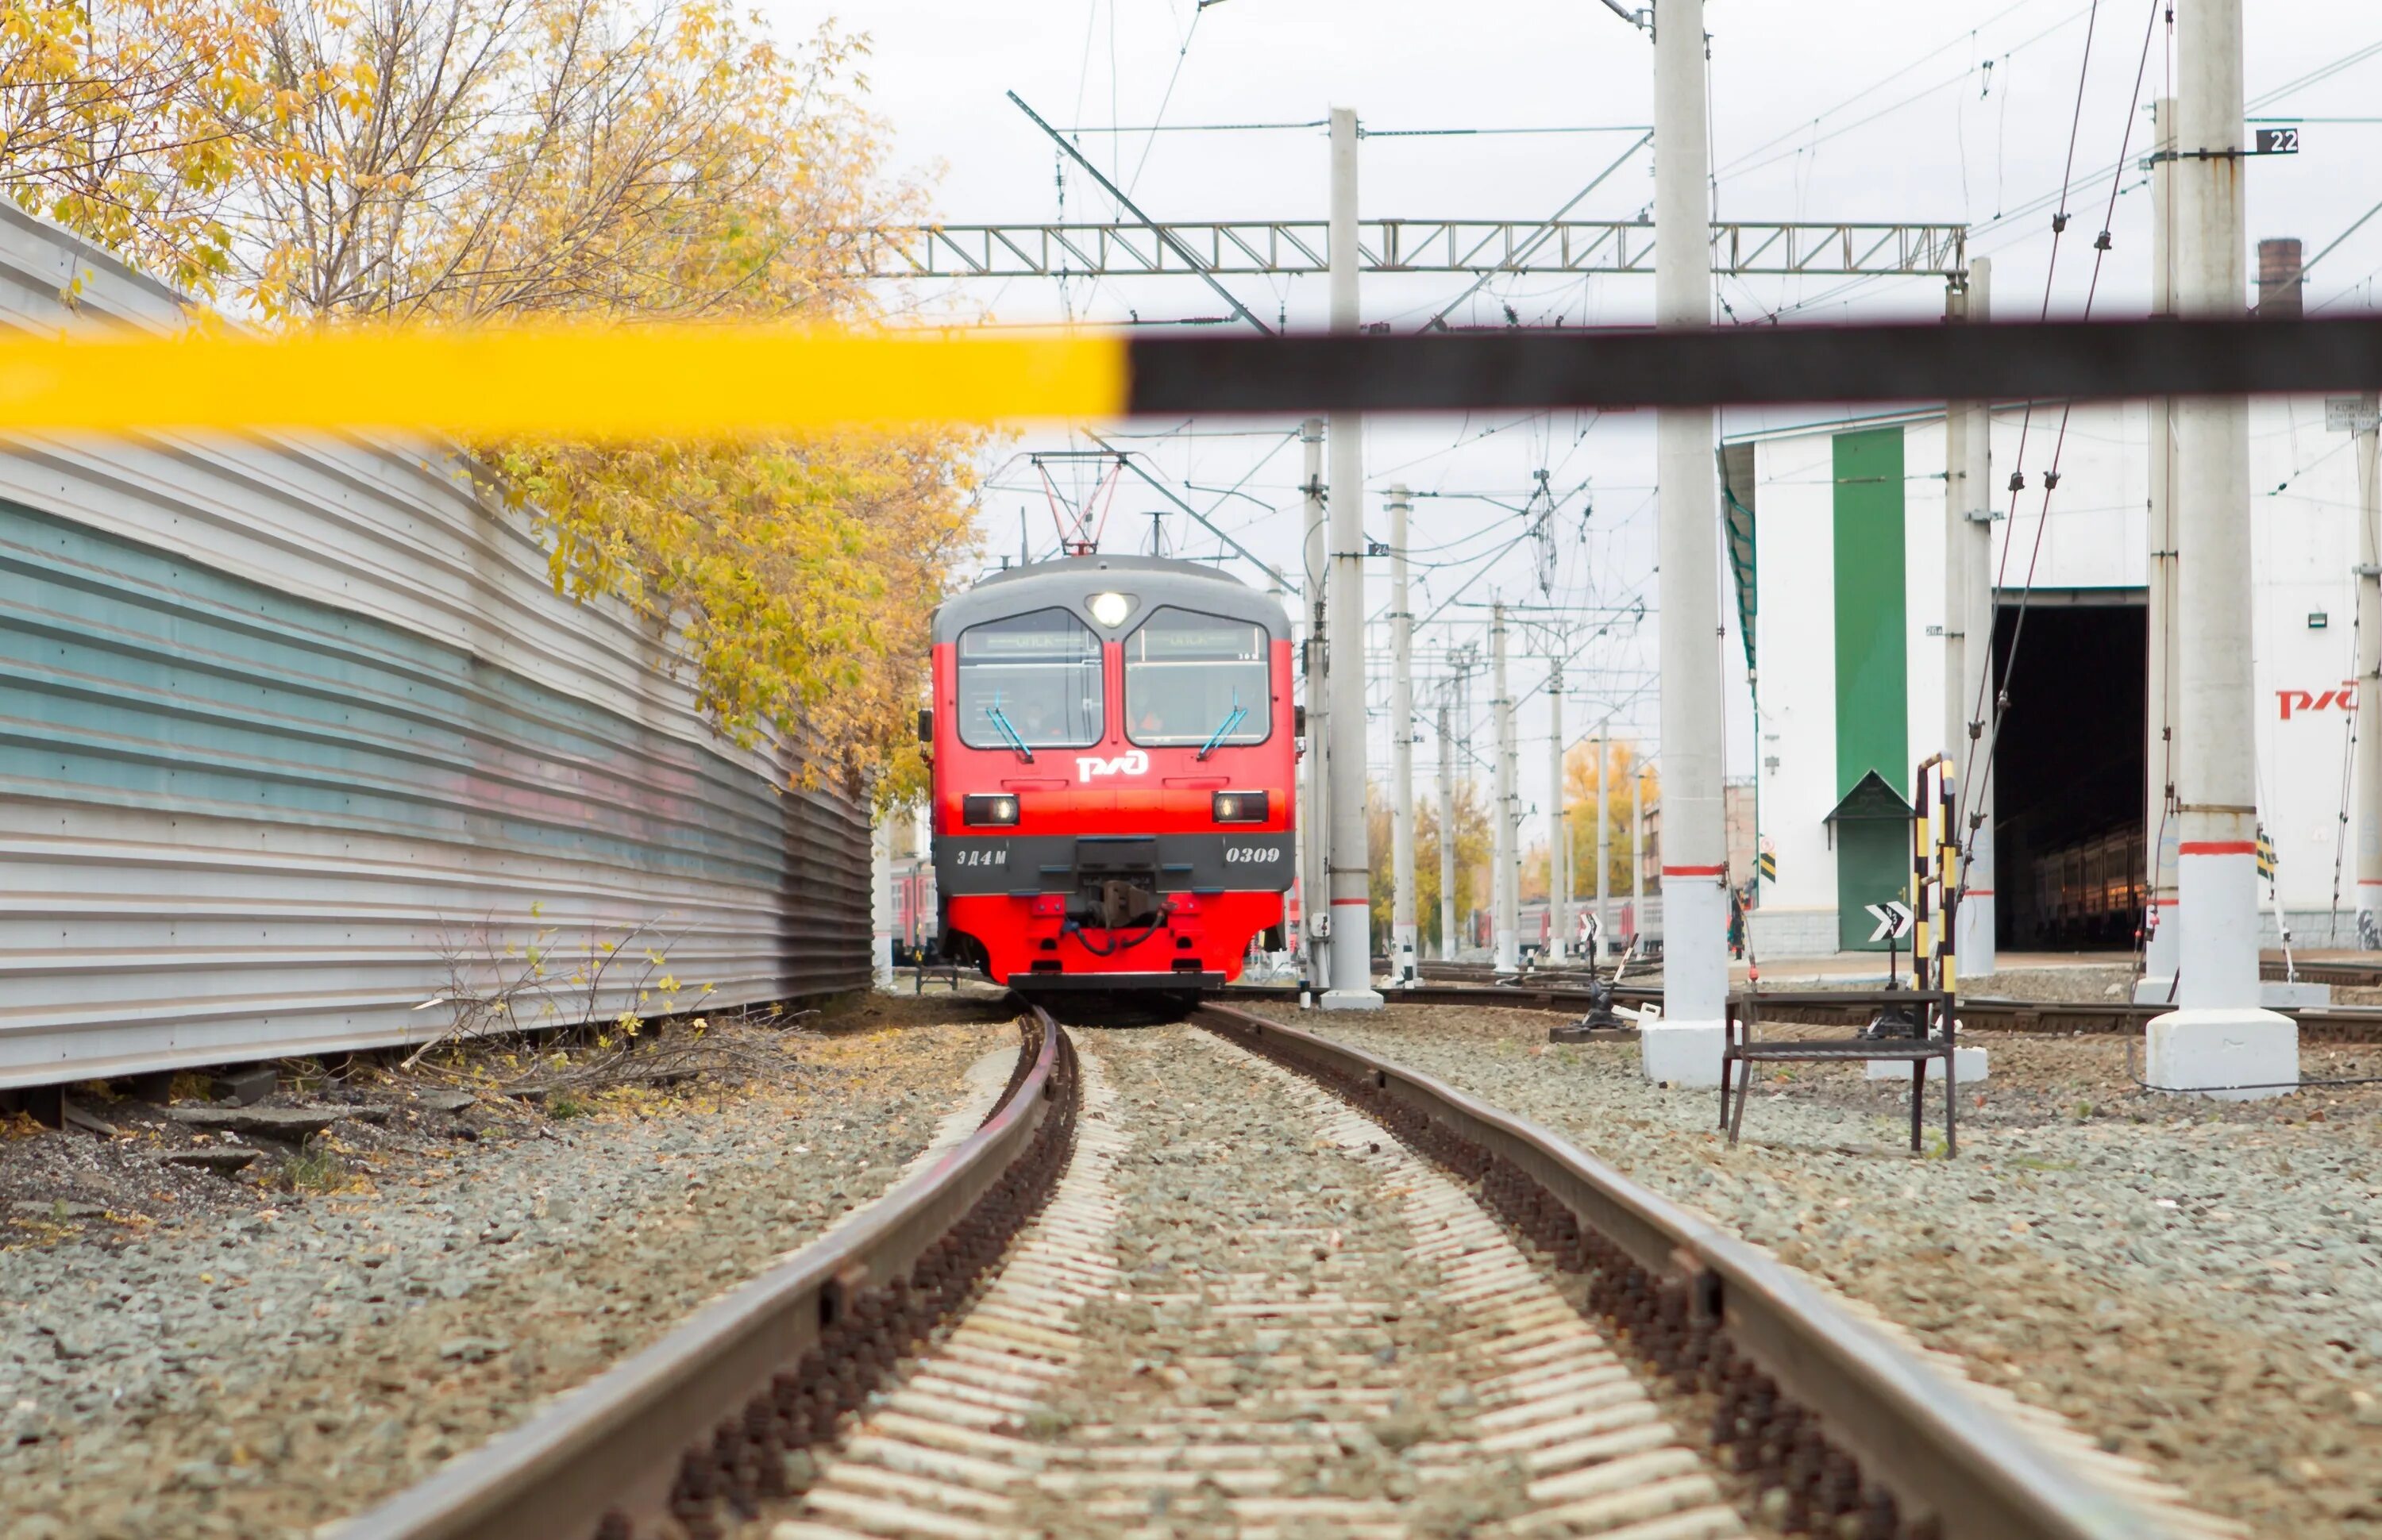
(1472, 862)
(117, 122)
(457, 162)
(1622, 761)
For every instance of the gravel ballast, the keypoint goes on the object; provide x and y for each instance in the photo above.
(1248, 1309)
(2195, 1283)
(257, 1363)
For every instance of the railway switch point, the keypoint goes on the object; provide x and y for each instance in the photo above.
(2231, 1054)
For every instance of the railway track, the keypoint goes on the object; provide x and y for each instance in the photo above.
(2333, 970)
(1525, 995)
(2338, 1024)
(1237, 1278)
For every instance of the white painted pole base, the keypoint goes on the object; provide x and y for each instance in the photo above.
(2369, 917)
(1402, 953)
(2233, 1055)
(2220, 890)
(1508, 953)
(1682, 1054)
(1350, 945)
(1684, 1046)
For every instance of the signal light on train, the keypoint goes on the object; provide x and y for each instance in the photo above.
(990, 810)
(1240, 807)
(1110, 609)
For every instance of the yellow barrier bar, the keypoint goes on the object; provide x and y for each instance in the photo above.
(590, 382)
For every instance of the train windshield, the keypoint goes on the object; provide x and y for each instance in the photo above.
(1030, 681)
(1196, 680)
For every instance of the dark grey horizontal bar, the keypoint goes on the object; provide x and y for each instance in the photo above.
(1752, 366)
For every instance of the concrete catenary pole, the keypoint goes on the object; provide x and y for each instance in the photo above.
(1956, 499)
(1559, 884)
(1975, 945)
(1446, 840)
(1604, 840)
(1684, 1049)
(1637, 854)
(1315, 824)
(1402, 847)
(1352, 866)
(880, 887)
(2218, 1040)
(1504, 920)
(2369, 679)
(2161, 831)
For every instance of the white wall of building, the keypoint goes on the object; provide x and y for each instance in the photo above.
(1794, 648)
(1922, 590)
(2305, 500)
(2303, 529)
(2094, 536)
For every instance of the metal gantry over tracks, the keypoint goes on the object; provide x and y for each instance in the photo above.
(1303, 247)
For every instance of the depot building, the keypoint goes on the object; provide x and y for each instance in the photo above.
(1837, 538)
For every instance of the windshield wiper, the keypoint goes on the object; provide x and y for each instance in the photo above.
(1238, 714)
(1009, 730)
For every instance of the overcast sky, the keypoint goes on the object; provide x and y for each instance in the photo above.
(1858, 109)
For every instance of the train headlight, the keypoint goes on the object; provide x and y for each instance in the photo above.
(990, 810)
(1110, 609)
(1240, 807)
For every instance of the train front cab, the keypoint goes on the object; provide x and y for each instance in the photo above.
(1114, 762)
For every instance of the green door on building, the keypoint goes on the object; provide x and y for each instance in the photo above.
(1872, 839)
(1872, 822)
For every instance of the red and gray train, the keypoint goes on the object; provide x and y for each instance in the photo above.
(1114, 748)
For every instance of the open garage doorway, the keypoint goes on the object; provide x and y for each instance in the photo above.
(2068, 771)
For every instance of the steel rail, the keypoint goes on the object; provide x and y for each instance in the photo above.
(1943, 1456)
(2336, 1024)
(612, 1456)
(1520, 997)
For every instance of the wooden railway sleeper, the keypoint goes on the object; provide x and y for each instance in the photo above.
(1773, 1442)
(867, 1333)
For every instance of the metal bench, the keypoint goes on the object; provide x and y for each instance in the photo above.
(1934, 1030)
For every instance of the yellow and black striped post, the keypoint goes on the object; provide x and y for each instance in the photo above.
(1919, 914)
(1948, 873)
(1934, 873)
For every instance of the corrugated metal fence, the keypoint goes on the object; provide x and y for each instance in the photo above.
(294, 733)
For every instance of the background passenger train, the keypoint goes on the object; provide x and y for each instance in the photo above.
(1114, 748)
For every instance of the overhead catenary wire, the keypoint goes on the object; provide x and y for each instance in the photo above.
(2051, 477)
(1181, 55)
(1741, 167)
(1362, 132)
(1856, 98)
(2008, 220)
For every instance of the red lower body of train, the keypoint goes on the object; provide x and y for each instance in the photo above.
(1200, 941)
